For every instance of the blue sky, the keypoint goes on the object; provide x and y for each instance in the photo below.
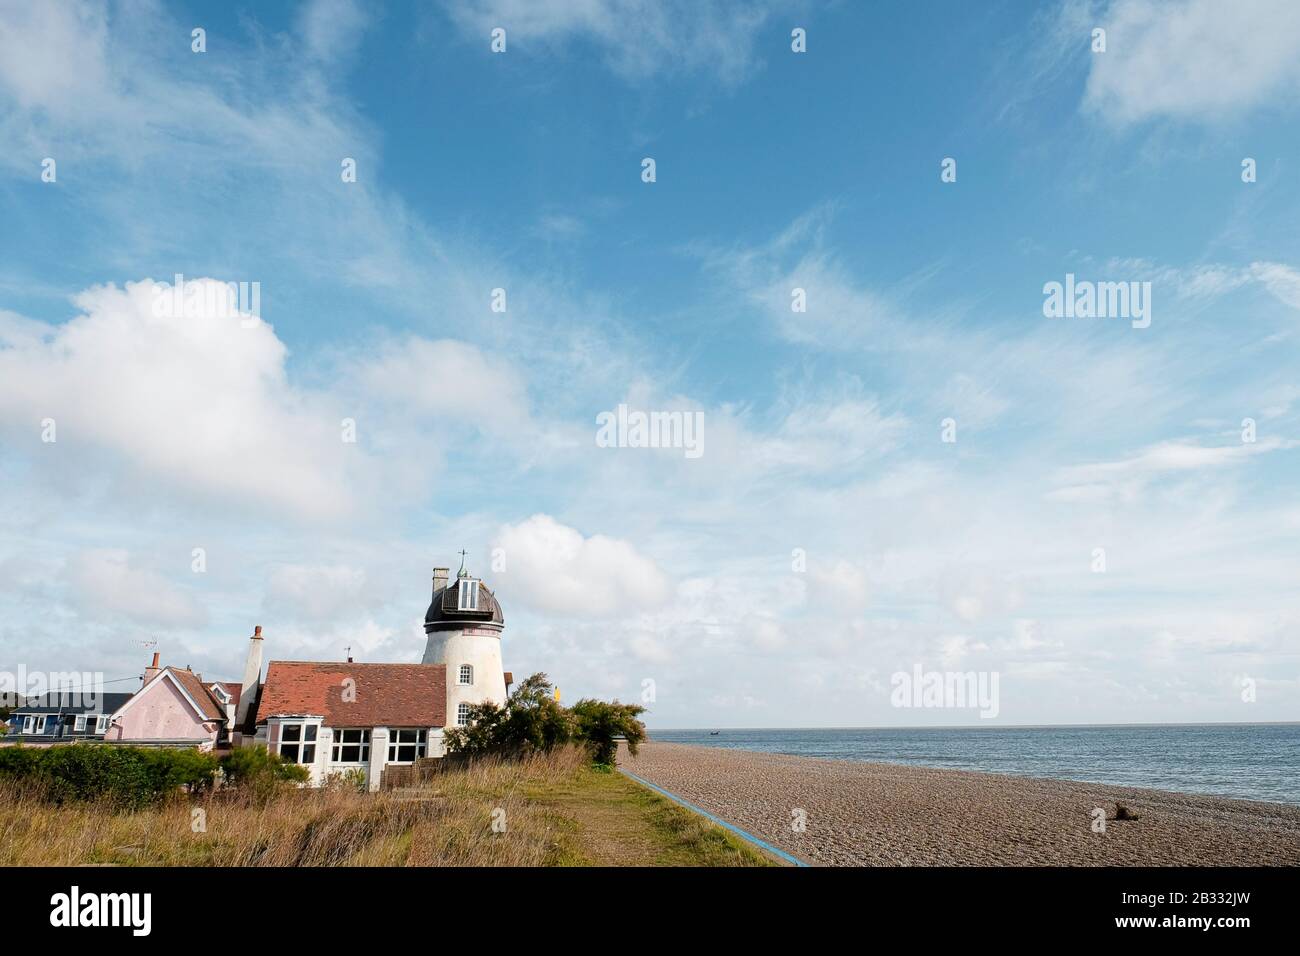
(775, 170)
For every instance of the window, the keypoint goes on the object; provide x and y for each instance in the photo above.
(40, 724)
(79, 725)
(101, 723)
(298, 743)
(27, 724)
(462, 714)
(220, 693)
(351, 746)
(466, 674)
(405, 746)
(468, 595)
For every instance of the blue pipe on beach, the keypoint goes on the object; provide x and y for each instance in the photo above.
(720, 822)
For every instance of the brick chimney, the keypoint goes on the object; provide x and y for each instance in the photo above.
(440, 579)
(152, 670)
(252, 678)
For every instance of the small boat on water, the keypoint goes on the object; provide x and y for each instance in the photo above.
(714, 733)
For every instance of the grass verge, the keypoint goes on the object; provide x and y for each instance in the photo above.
(545, 811)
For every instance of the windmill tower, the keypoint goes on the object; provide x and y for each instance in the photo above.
(464, 624)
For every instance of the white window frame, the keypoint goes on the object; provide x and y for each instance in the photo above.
(468, 590)
(301, 743)
(79, 724)
(404, 737)
(221, 694)
(466, 675)
(28, 721)
(462, 714)
(362, 742)
(101, 723)
(40, 725)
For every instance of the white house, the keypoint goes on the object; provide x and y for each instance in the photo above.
(341, 717)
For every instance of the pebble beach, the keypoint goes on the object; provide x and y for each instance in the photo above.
(878, 814)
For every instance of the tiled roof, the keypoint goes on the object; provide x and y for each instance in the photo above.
(196, 688)
(386, 695)
(230, 687)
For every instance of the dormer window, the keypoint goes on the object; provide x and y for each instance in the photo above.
(220, 693)
(467, 597)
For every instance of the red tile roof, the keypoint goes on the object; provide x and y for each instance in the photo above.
(386, 695)
(230, 688)
(196, 688)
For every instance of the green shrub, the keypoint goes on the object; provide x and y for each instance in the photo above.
(18, 763)
(532, 721)
(260, 772)
(601, 723)
(129, 776)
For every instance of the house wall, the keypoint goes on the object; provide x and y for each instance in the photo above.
(323, 766)
(161, 712)
(70, 733)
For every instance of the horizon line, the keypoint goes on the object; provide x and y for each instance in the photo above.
(1195, 723)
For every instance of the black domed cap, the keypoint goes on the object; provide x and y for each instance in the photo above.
(445, 613)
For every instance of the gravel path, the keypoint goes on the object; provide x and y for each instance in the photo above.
(876, 814)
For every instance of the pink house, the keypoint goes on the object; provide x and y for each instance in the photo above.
(176, 707)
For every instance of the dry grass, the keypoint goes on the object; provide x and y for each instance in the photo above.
(556, 811)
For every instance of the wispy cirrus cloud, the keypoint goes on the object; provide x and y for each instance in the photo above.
(639, 39)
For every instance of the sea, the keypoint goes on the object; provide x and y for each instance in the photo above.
(1247, 761)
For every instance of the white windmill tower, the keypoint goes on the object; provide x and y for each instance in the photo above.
(464, 624)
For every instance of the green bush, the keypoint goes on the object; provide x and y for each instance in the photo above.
(601, 723)
(129, 776)
(532, 721)
(259, 772)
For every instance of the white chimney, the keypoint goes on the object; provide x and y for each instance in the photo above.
(252, 677)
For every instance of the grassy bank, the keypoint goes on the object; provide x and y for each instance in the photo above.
(547, 811)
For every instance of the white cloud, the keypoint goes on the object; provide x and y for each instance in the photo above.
(640, 38)
(447, 379)
(554, 568)
(1197, 60)
(201, 406)
(104, 581)
(317, 592)
(1282, 281)
(199, 403)
(331, 28)
(53, 55)
(1171, 456)
(842, 586)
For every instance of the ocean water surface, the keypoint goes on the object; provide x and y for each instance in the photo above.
(1248, 761)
